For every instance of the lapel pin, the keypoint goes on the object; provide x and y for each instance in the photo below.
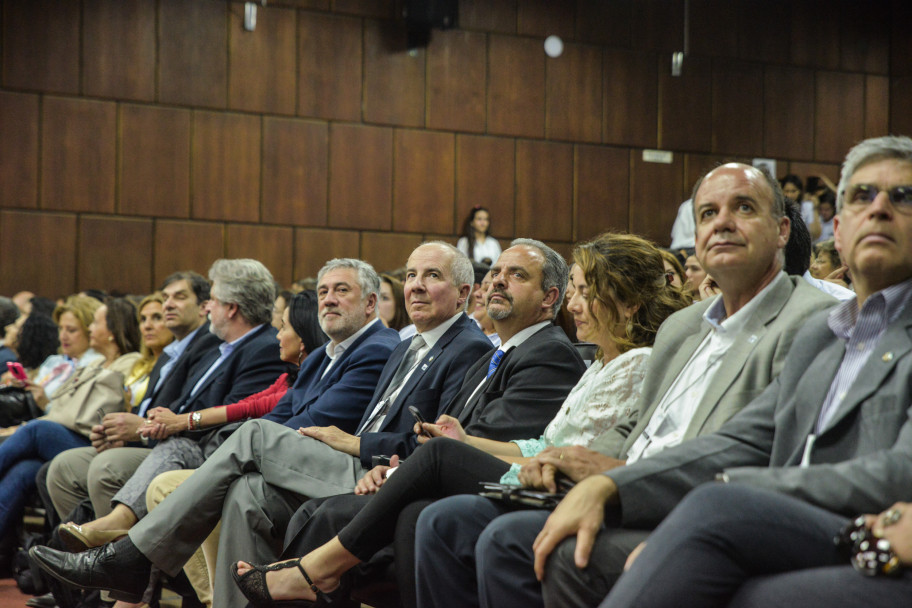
(424, 367)
(887, 357)
(752, 339)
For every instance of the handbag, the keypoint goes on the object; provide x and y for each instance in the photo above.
(89, 393)
(16, 406)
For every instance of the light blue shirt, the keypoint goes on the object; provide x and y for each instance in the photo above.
(174, 351)
(225, 348)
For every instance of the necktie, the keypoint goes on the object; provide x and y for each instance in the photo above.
(408, 361)
(495, 361)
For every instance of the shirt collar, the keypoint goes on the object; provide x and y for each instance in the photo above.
(523, 335)
(892, 300)
(177, 347)
(432, 335)
(715, 314)
(334, 350)
(226, 348)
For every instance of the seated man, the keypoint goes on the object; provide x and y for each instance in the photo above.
(833, 430)
(708, 362)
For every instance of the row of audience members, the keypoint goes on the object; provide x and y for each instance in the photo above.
(772, 385)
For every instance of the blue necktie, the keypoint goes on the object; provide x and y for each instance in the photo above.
(495, 361)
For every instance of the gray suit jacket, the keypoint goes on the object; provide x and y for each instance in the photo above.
(749, 366)
(861, 462)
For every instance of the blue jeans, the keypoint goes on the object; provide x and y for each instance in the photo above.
(21, 455)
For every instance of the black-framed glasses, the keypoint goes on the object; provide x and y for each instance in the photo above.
(864, 194)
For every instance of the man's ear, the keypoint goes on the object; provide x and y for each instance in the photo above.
(465, 292)
(370, 308)
(837, 234)
(551, 297)
(204, 309)
(785, 229)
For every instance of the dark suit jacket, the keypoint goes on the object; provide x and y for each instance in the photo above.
(252, 367)
(203, 344)
(341, 396)
(860, 463)
(431, 386)
(526, 390)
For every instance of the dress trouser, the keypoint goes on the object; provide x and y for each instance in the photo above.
(85, 473)
(199, 568)
(733, 545)
(299, 466)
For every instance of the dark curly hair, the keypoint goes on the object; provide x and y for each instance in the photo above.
(38, 340)
(627, 269)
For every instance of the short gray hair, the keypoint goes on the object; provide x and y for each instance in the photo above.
(778, 207)
(368, 279)
(460, 267)
(248, 284)
(897, 147)
(555, 272)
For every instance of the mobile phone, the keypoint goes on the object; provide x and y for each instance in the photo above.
(419, 419)
(380, 460)
(17, 371)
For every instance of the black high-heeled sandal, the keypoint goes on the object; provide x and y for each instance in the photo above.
(253, 586)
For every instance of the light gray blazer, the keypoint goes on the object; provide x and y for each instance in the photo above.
(861, 462)
(748, 368)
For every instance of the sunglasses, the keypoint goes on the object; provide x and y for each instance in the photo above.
(864, 194)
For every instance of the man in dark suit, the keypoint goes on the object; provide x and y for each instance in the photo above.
(832, 430)
(335, 384)
(186, 295)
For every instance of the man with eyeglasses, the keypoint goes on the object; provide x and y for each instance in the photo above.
(833, 431)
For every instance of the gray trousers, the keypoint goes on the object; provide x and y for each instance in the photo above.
(170, 455)
(83, 473)
(253, 483)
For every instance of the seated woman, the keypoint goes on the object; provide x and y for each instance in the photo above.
(476, 240)
(34, 338)
(738, 546)
(73, 318)
(90, 392)
(300, 334)
(621, 296)
(155, 337)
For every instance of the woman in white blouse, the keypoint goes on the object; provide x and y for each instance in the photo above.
(476, 241)
(620, 297)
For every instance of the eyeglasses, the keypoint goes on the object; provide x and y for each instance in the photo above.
(864, 194)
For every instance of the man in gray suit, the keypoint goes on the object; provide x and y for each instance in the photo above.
(708, 362)
(833, 429)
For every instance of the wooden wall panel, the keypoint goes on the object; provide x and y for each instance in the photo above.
(838, 114)
(77, 155)
(602, 190)
(686, 119)
(544, 190)
(815, 41)
(877, 106)
(154, 161)
(714, 28)
(102, 263)
(119, 49)
(900, 116)
(262, 62)
(361, 174)
(382, 9)
(388, 251)
(313, 248)
(41, 45)
(573, 101)
(329, 66)
(423, 181)
(457, 76)
(181, 245)
(295, 171)
(488, 15)
(226, 166)
(485, 170)
(605, 23)
(805, 170)
(656, 192)
(900, 41)
(863, 45)
(193, 53)
(394, 78)
(18, 150)
(38, 253)
(765, 29)
(516, 86)
(631, 97)
(543, 18)
(272, 245)
(788, 112)
(658, 25)
(737, 108)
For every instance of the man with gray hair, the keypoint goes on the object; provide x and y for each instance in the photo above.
(265, 458)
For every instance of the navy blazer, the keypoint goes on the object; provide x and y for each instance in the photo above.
(252, 367)
(203, 344)
(431, 386)
(525, 392)
(341, 396)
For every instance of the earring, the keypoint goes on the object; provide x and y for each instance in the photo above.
(629, 328)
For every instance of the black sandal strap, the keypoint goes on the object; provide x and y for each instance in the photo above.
(313, 587)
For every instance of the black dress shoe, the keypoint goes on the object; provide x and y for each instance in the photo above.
(118, 567)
